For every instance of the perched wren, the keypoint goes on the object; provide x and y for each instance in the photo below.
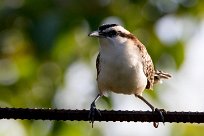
(123, 66)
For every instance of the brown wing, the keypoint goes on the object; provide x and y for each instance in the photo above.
(148, 66)
(98, 65)
(149, 71)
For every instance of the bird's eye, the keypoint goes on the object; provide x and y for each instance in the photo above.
(112, 33)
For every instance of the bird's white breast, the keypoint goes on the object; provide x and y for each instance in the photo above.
(121, 69)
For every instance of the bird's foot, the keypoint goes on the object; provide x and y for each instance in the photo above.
(92, 113)
(160, 113)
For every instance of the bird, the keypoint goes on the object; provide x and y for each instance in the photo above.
(123, 66)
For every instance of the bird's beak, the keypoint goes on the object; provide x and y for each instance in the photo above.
(94, 34)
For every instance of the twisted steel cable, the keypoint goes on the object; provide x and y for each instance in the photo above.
(82, 115)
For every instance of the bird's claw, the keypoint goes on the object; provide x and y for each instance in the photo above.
(92, 113)
(160, 113)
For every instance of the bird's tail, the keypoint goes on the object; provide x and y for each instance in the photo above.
(159, 75)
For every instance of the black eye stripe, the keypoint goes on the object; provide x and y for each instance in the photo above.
(110, 33)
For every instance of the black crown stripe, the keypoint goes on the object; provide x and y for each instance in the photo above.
(105, 26)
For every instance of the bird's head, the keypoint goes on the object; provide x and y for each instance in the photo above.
(112, 33)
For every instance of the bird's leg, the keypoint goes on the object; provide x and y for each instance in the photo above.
(156, 124)
(93, 110)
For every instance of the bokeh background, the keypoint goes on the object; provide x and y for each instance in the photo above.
(48, 61)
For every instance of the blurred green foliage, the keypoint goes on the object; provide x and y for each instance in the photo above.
(39, 39)
(187, 130)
